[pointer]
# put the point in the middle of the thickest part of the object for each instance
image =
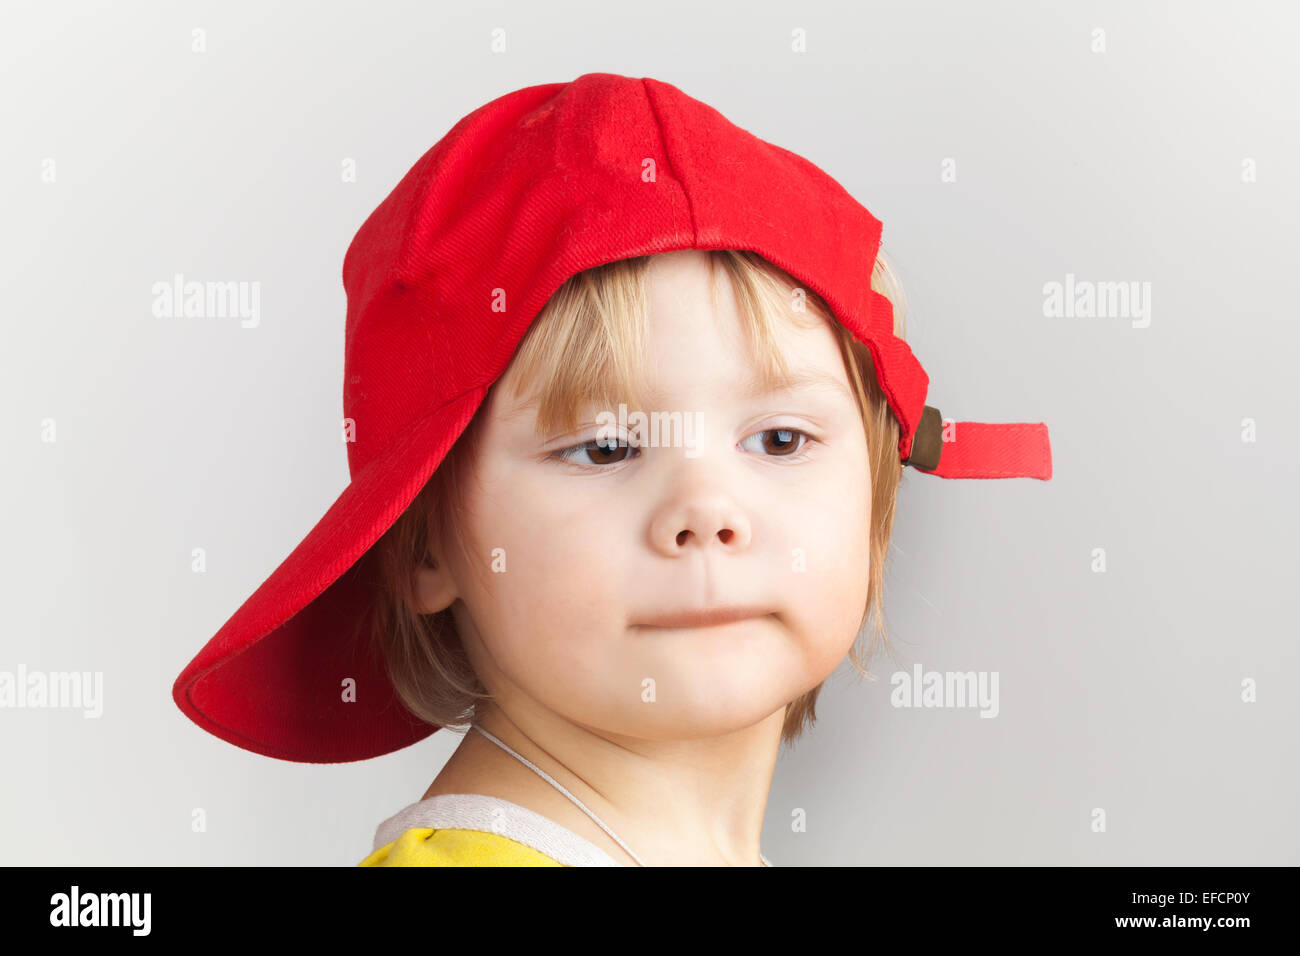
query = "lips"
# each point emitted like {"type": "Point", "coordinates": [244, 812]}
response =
{"type": "Point", "coordinates": [703, 617]}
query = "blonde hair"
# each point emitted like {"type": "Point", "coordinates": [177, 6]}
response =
{"type": "Point", "coordinates": [584, 348]}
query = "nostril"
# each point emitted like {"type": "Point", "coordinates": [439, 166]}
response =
{"type": "Point", "coordinates": [725, 534]}
{"type": "Point", "coordinates": [682, 536]}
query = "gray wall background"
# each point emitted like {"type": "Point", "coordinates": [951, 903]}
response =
{"type": "Point", "coordinates": [1119, 690]}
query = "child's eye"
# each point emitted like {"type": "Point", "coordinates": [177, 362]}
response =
{"type": "Point", "coordinates": [774, 443]}
{"type": "Point", "coordinates": [600, 451]}
{"type": "Point", "coordinates": [783, 443]}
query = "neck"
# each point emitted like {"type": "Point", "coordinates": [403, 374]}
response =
{"type": "Point", "coordinates": [697, 802]}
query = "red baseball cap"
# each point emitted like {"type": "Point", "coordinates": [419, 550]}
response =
{"type": "Point", "coordinates": [521, 194]}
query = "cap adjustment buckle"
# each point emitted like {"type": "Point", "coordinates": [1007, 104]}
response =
{"type": "Point", "coordinates": [927, 441]}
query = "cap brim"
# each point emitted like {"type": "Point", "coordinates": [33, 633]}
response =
{"type": "Point", "coordinates": [273, 679]}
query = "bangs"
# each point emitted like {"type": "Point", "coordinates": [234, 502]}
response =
{"type": "Point", "coordinates": [587, 347]}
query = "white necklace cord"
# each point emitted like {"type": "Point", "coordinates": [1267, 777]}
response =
{"type": "Point", "coordinates": [545, 776]}
{"type": "Point", "coordinates": [580, 805]}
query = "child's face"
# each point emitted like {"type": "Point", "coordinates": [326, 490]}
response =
{"type": "Point", "coordinates": [593, 551]}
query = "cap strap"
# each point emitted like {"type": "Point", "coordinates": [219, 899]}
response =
{"type": "Point", "coordinates": [980, 449]}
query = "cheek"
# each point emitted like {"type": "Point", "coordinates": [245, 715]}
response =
{"type": "Point", "coordinates": [549, 605]}
{"type": "Point", "coordinates": [828, 597]}
{"type": "Point", "coordinates": [562, 641]}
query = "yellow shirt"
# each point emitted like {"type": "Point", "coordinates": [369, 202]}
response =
{"type": "Point", "coordinates": [472, 829]}
{"type": "Point", "coordinates": [426, 846]}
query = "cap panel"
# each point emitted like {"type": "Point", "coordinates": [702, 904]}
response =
{"type": "Point", "coordinates": [748, 193]}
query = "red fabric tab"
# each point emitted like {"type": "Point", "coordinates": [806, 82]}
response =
{"type": "Point", "coordinates": [983, 450]}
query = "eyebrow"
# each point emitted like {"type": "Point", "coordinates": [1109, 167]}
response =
{"type": "Point", "coordinates": [804, 379]}
{"type": "Point", "coordinates": [799, 379]}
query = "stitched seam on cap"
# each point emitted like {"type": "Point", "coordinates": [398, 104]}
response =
{"type": "Point", "coordinates": [690, 207]}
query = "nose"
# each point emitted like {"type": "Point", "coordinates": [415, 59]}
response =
{"type": "Point", "coordinates": [703, 519]}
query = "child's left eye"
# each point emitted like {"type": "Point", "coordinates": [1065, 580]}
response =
{"type": "Point", "coordinates": [784, 441]}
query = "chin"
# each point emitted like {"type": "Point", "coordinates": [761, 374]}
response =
{"type": "Point", "coordinates": [688, 721]}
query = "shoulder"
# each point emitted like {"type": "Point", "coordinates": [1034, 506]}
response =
{"type": "Point", "coordinates": [426, 846]}
{"type": "Point", "coordinates": [474, 829]}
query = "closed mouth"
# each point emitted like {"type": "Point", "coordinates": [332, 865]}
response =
{"type": "Point", "coordinates": [708, 617]}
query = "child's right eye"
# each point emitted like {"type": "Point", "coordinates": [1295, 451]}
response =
{"type": "Point", "coordinates": [608, 451]}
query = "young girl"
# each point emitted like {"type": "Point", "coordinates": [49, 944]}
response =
{"type": "Point", "coordinates": [627, 404]}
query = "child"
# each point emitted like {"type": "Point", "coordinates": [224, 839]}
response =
{"type": "Point", "coordinates": [626, 402]}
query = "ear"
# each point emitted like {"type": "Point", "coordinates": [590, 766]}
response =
{"type": "Point", "coordinates": [434, 588]}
